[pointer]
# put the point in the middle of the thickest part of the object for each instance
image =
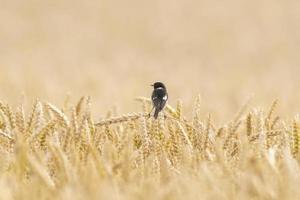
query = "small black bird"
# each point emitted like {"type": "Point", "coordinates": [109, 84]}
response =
{"type": "Point", "coordinates": [159, 97]}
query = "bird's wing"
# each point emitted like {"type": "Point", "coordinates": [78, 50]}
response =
{"type": "Point", "coordinates": [159, 98]}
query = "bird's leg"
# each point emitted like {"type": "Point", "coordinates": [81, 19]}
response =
{"type": "Point", "coordinates": [165, 116]}
{"type": "Point", "coordinates": [149, 115]}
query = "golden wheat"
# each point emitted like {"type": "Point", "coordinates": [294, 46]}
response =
{"type": "Point", "coordinates": [69, 150]}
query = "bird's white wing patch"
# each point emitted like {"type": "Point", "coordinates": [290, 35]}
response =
{"type": "Point", "coordinates": [165, 97]}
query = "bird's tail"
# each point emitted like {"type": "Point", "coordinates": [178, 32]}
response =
{"type": "Point", "coordinates": [156, 113]}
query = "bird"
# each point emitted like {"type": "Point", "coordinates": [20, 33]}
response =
{"type": "Point", "coordinates": [159, 98]}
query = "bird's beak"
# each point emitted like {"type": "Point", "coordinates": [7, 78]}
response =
{"type": "Point", "coordinates": [152, 85]}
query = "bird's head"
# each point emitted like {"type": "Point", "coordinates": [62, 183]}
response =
{"type": "Point", "coordinates": [158, 85]}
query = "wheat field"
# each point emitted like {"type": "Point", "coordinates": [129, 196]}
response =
{"type": "Point", "coordinates": [75, 96]}
{"type": "Point", "coordinates": [54, 153]}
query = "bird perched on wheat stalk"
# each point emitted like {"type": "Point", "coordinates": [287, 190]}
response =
{"type": "Point", "coordinates": [159, 98]}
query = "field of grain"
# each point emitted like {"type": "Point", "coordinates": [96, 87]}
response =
{"type": "Point", "coordinates": [75, 93]}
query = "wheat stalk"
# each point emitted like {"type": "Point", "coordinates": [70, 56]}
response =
{"type": "Point", "coordinates": [121, 119]}
{"type": "Point", "coordinates": [62, 118]}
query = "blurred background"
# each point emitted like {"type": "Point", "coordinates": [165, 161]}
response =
{"type": "Point", "coordinates": [113, 50]}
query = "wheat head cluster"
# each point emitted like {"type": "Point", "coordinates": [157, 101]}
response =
{"type": "Point", "coordinates": [63, 153]}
